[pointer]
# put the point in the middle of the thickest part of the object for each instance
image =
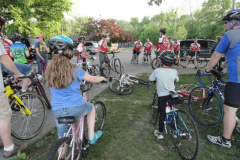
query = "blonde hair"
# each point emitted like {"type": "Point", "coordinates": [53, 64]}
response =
{"type": "Point", "coordinates": [61, 72]}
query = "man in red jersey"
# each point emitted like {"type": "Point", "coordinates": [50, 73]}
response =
{"type": "Point", "coordinates": [7, 43]}
{"type": "Point", "coordinates": [158, 49]}
{"type": "Point", "coordinates": [194, 49]}
{"type": "Point", "coordinates": [136, 50]}
{"type": "Point", "coordinates": [103, 48]}
{"type": "Point", "coordinates": [148, 48]}
{"type": "Point", "coordinates": [82, 53]}
{"type": "Point", "coordinates": [163, 41]}
{"type": "Point", "coordinates": [176, 48]}
{"type": "Point", "coordinates": [170, 43]}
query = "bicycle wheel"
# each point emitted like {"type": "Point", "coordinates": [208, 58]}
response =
{"type": "Point", "coordinates": [25, 126]}
{"type": "Point", "coordinates": [106, 70]}
{"type": "Point", "coordinates": [205, 106]}
{"type": "Point", "coordinates": [124, 89]}
{"type": "Point", "coordinates": [86, 87]}
{"type": "Point", "coordinates": [100, 115]}
{"type": "Point", "coordinates": [42, 93]}
{"type": "Point", "coordinates": [182, 61]}
{"type": "Point", "coordinates": [97, 70]}
{"type": "Point", "coordinates": [201, 63]}
{"type": "Point", "coordinates": [155, 63]}
{"type": "Point", "coordinates": [155, 112]}
{"type": "Point", "coordinates": [186, 137]}
{"type": "Point", "coordinates": [141, 81]}
{"type": "Point", "coordinates": [117, 65]}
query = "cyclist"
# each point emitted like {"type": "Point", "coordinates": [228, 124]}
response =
{"type": "Point", "coordinates": [82, 53]}
{"type": "Point", "coordinates": [64, 79]}
{"type": "Point", "coordinates": [176, 48]}
{"type": "Point", "coordinates": [158, 49]}
{"type": "Point", "coordinates": [10, 148]}
{"type": "Point", "coordinates": [103, 48]}
{"type": "Point", "coordinates": [19, 50]}
{"type": "Point", "coordinates": [42, 49]}
{"type": "Point", "coordinates": [7, 43]}
{"type": "Point", "coordinates": [170, 43]}
{"type": "Point", "coordinates": [194, 49]}
{"type": "Point", "coordinates": [163, 41]}
{"type": "Point", "coordinates": [165, 84]}
{"type": "Point", "coordinates": [148, 48]}
{"type": "Point", "coordinates": [136, 50]}
{"type": "Point", "coordinates": [230, 46]}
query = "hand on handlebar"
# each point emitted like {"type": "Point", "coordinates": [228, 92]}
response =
{"type": "Point", "coordinates": [17, 77]}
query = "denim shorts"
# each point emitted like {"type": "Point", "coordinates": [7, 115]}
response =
{"type": "Point", "coordinates": [70, 111]}
{"type": "Point", "coordinates": [22, 68]}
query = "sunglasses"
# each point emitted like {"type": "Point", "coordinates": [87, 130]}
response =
{"type": "Point", "coordinates": [225, 22]}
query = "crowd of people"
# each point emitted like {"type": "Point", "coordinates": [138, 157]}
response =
{"type": "Point", "coordinates": [64, 77]}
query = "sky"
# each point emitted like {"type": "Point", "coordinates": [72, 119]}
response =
{"type": "Point", "coordinates": [125, 9]}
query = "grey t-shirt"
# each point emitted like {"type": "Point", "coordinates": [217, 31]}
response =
{"type": "Point", "coordinates": [2, 52]}
{"type": "Point", "coordinates": [165, 80]}
{"type": "Point", "coordinates": [42, 50]}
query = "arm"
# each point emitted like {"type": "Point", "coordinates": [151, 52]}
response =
{"type": "Point", "coordinates": [213, 61]}
{"type": "Point", "coordinates": [85, 55]}
{"type": "Point", "coordinates": [93, 79]}
{"type": "Point", "coordinates": [39, 55]}
{"type": "Point", "coordinates": [46, 47]}
{"type": "Point", "coordinates": [224, 65]}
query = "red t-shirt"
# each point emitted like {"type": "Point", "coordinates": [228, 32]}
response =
{"type": "Point", "coordinates": [175, 45]}
{"type": "Point", "coordinates": [137, 45]}
{"type": "Point", "coordinates": [164, 42]}
{"type": "Point", "coordinates": [195, 46]}
{"type": "Point", "coordinates": [7, 44]}
{"type": "Point", "coordinates": [103, 45]}
{"type": "Point", "coordinates": [147, 46]}
{"type": "Point", "coordinates": [80, 49]}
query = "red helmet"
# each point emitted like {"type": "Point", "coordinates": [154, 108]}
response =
{"type": "Point", "coordinates": [2, 21]}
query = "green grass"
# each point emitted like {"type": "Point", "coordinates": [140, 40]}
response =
{"type": "Point", "coordinates": [128, 133]}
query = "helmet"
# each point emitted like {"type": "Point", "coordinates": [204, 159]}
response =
{"type": "Point", "coordinates": [167, 58]}
{"type": "Point", "coordinates": [103, 35]}
{"type": "Point", "coordinates": [175, 38]}
{"type": "Point", "coordinates": [16, 36]}
{"type": "Point", "coordinates": [163, 30]}
{"type": "Point", "coordinates": [4, 31]}
{"type": "Point", "coordinates": [169, 37]}
{"type": "Point", "coordinates": [81, 38]}
{"type": "Point", "coordinates": [2, 21]}
{"type": "Point", "coordinates": [60, 42]}
{"type": "Point", "coordinates": [232, 15]}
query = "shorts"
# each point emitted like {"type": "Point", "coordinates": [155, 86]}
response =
{"type": "Point", "coordinates": [5, 109]}
{"type": "Point", "coordinates": [177, 53]}
{"type": "Point", "coordinates": [232, 94]}
{"type": "Point", "coordinates": [103, 58]}
{"type": "Point", "coordinates": [70, 111]}
{"type": "Point", "coordinates": [136, 52]}
{"type": "Point", "coordinates": [193, 54]}
{"type": "Point", "coordinates": [24, 69]}
{"type": "Point", "coordinates": [148, 53]}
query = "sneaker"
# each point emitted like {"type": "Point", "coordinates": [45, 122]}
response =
{"type": "Point", "coordinates": [137, 62]}
{"type": "Point", "coordinates": [219, 141]}
{"type": "Point", "coordinates": [131, 61]}
{"type": "Point", "coordinates": [1, 144]}
{"type": "Point", "coordinates": [195, 67]}
{"type": "Point", "coordinates": [158, 134]}
{"type": "Point", "coordinates": [15, 150]}
{"type": "Point", "coordinates": [184, 66]}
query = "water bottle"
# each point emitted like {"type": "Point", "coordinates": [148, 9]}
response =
{"type": "Point", "coordinates": [168, 108]}
{"type": "Point", "coordinates": [167, 113]}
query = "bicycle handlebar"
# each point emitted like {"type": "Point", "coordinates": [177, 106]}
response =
{"type": "Point", "coordinates": [103, 81]}
{"type": "Point", "coordinates": [31, 77]}
{"type": "Point", "coordinates": [199, 78]}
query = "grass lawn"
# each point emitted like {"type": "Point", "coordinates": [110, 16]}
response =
{"type": "Point", "coordinates": [128, 132]}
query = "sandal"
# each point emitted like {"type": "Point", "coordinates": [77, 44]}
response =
{"type": "Point", "coordinates": [96, 138]}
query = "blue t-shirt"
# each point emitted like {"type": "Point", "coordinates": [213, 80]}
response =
{"type": "Point", "coordinates": [230, 45]}
{"type": "Point", "coordinates": [70, 96]}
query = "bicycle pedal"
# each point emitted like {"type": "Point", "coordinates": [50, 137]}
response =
{"type": "Point", "coordinates": [85, 147]}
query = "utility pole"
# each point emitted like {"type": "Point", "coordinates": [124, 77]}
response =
{"type": "Point", "coordinates": [175, 23]}
{"type": "Point", "coordinates": [233, 4]}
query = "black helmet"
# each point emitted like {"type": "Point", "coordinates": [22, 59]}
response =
{"type": "Point", "coordinates": [169, 37]}
{"type": "Point", "coordinates": [16, 36]}
{"type": "Point", "coordinates": [232, 15]}
{"type": "Point", "coordinates": [167, 58]}
{"type": "Point", "coordinates": [2, 21]}
{"type": "Point", "coordinates": [163, 30]}
{"type": "Point", "coordinates": [4, 31]}
{"type": "Point", "coordinates": [81, 38]}
{"type": "Point", "coordinates": [104, 35]}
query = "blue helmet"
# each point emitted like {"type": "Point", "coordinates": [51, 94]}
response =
{"type": "Point", "coordinates": [175, 38]}
{"type": "Point", "coordinates": [60, 42]}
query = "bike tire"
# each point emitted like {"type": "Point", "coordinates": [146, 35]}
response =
{"type": "Point", "coordinates": [155, 111]}
{"type": "Point", "coordinates": [41, 92]}
{"type": "Point", "coordinates": [141, 81]}
{"type": "Point", "coordinates": [24, 126]}
{"type": "Point", "coordinates": [202, 63]}
{"type": "Point", "coordinates": [88, 86]}
{"type": "Point", "coordinates": [106, 70]}
{"type": "Point", "coordinates": [100, 115]}
{"type": "Point", "coordinates": [209, 113]}
{"type": "Point", "coordinates": [115, 87]}
{"type": "Point", "coordinates": [117, 65]}
{"type": "Point", "coordinates": [186, 141]}
{"type": "Point", "coordinates": [155, 63]}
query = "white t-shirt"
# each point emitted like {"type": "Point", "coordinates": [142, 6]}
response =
{"type": "Point", "coordinates": [2, 52]}
{"type": "Point", "coordinates": [165, 80]}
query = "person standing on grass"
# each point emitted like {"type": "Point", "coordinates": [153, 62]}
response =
{"type": "Point", "coordinates": [42, 49]}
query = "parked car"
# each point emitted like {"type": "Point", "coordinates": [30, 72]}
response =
{"type": "Point", "coordinates": [30, 43]}
{"type": "Point", "coordinates": [91, 47]}
{"type": "Point", "coordinates": [205, 45]}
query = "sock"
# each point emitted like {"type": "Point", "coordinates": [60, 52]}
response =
{"type": "Point", "coordinates": [9, 148]}
{"type": "Point", "coordinates": [225, 139]}
{"type": "Point", "coordinates": [23, 90]}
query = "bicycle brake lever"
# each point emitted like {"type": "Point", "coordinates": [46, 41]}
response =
{"type": "Point", "coordinates": [103, 81]}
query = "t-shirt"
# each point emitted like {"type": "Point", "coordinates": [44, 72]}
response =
{"type": "Point", "coordinates": [103, 45]}
{"type": "Point", "coordinates": [2, 52]}
{"type": "Point", "coordinates": [164, 43]}
{"type": "Point", "coordinates": [170, 45]}
{"type": "Point", "coordinates": [157, 45]}
{"type": "Point", "coordinates": [7, 44]}
{"type": "Point", "coordinates": [137, 45]}
{"type": "Point", "coordinates": [80, 49]}
{"type": "Point", "coordinates": [165, 80]}
{"type": "Point", "coordinates": [230, 45]}
{"type": "Point", "coordinates": [18, 49]}
{"type": "Point", "coordinates": [195, 46]}
{"type": "Point", "coordinates": [176, 45]}
{"type": "Point", "coordinates": [70, 96]}
{"type": "Point", "coordinates": [42, 50]}
{"type": "Point", "coordinates": [148, 45]}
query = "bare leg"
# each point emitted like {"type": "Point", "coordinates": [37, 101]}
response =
{"type": "Point", "coordinates": [137, 57]}
{"type": "Point", "coordinates": [195, 61]}
{"type": "Point", "coordinates": [5, 133]}
{"type": "Point", "coordinates": [187, 61]}
{"type": "Point", "coordinates": [132, 56]}
{"type": "Point", "coordinates": [229, 121]}
{"type": "Point", "coordinates": [26, 81]}
{"type": "Point", "coordinates": [91, 123]}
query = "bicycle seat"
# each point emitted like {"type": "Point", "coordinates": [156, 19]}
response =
{"type": "Point", "coordinates": [176, 98]}
{"type": "Point", "coordinates": [67, 120]}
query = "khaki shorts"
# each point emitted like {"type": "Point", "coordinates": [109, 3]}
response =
{"type": "Point", "coordinates": [5, 109]}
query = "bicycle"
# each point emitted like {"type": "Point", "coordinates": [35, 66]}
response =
{"type": "Point", "coordinates": [144, 59]}
{"type": "Point", "coordinates": [28, 111]}
{"type": "Point", "coordinates": [201, 63]}
{"type": "Point", "coordinates": [182, 127]}
{"type": "Point", "coordinates": [74, 143]}
{"type": "Point", "coordinates": [135, 61]}
{"type": "Point", "coordinates": [156, 62]}
{"type": "Point", "coordinates": [115, 63]}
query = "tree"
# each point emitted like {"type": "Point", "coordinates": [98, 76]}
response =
{"type": "Point", "coordinates": [152, 32]}
{"type": "Point", "coordinates": [157, 2]}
